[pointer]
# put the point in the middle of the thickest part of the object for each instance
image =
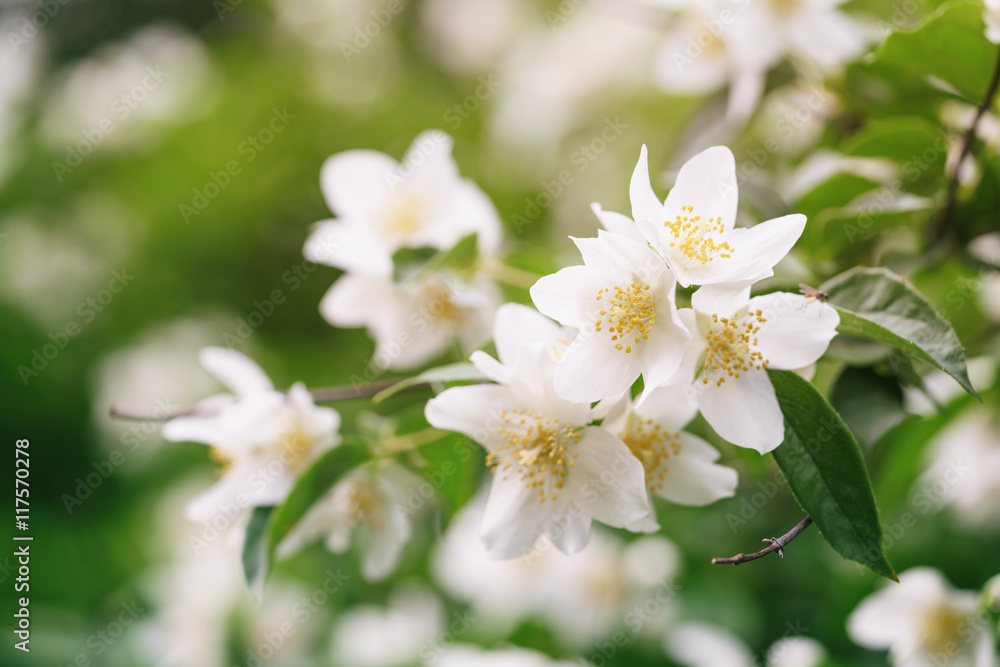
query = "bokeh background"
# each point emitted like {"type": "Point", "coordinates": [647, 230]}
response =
{"type": "Point", "coordinates": [117, 117]}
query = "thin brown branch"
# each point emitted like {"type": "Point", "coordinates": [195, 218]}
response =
{"type": "Point", "coordinates": [775, 544]}
{"type": "Point", "coordinates": [323, 394]}
{"type": "Point", "coordinates": [943, 221]}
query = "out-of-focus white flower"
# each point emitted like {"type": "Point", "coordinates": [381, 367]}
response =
{"type": "Point", "coordinates": [66, 266]}
{"type": "Point", "coordinates": [712, 43]}
{"type": "Point", "coordinates": [383, 205]}
{"type": "Point", "coordinates": [694, 228]}
{"type": "Point", "coordinates": [923, 621]}
{"type": "Point", "coordinates": [21, 63]}
{"type": "Point", "coordinates": [793, 118]}
{"type": "Point", "coordinates": [622, 302]}
{"type": "Point", "coordinates": [261, 438]}
{"type": "Point", "coordinates": [704, 645]}
{"type": "Point", "coordinates": [583, 597]}
{"type": "Point", "coordinates": [367, 506]}
{"type": "Point", "coordinates": [127, 93]}
{"type": "Point", "coordinates": [680, 467]}
{"type": "Point", "coordinates": [516, 325]}
{"type": "Point", "coordinates": [964, 470]}
{"type": "Point", "coordinates": [557, 76]}
{"type": "Point", "coordinates": [469, 656]}
{"type": "Point", "coordinates": [991, 15]}
{"type": "Point", "coordinates": [415, 320]}
{"type": "Point", "coordinates": [469, 36]}
{"type": "Point", "coordinates": [370, 636]}
{"type": "Point", "coordinates": [697, 644]}
{"type": "Point", "coordinates": [553, 474]}
{"type": "Point", "coordinates": [939, 388]}
{"type": "Point", "coordinates": [735, 340]}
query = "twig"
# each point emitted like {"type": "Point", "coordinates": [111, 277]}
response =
{"type": "Point", "coordinates": [775, 544]}
{"type": "Point", "coordinates": [968, 141]}
{"type": "Point", "coordinates": [323, 394]}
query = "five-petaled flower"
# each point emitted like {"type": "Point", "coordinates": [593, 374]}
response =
{"type": "Point", "coordinates": [695, 228]}
{"type": "Point", "coordinates": [735, 340]}
{"type": "Point", "coordinates": [553, 472]}
{"type": "Point", "coordinates": [261, 438]}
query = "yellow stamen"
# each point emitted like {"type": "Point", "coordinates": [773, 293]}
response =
{"type": "Point", "coordinates": [697, 239]}
{"type": "Point", "coordinates": [653, 447]}
{"type": "Point", "coordinates": [732, 347]}
{"type": "Point", "coordinates": [631, 313]}
{"type": "Point", "coordinates": [539, 450]}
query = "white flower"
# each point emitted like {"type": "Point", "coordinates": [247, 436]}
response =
{"type": "Point", "coordinates": [680, 467]}
{"type": "Point", "coordinates": [368, 505]}
{"type": "Point", "coordinates": [553, 474]}
{"type": "Point", "coordinates": [964, 470]}
{"type": "Point", "coordinates": [696, 644]}
{"type": "Point", "coordinates": [622, 302]}
{"type": "Point", "coordinates": [991, 16]}
{"type": "Point", "coordinates": [262, 438]}
{"type": "Point", "coordinates": [923, 621]}
{"type": "Point", "coordinates": [736, 339]}
{"type": "Point", "coordinates": [383, 206]}
{"type": "Point", "coordinates": [712, 43]}
{"type": "Point", "coordinates": [694, 229]}
{"type": "Point", "coordinates": [516, 325]}
{"type": "Point", "coordinates": [370, 636]}
{"type": "Point", "coordinates": [582, 597]}
{"type": "Point", "coordinates": [416, 320]}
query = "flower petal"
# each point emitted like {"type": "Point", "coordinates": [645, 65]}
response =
{"type": "Point", "coordinates": [607, 482]}
{"type": "Point", "coordinates": [693, 478]}
{"type": "Point", "coordinates": [645, 204]}
{"type": "Point", "coordinates": [743, 410]}
{"type": "Point", "coordinates": [568, 296]}
{"type": "Point", "coordinates": [348, 246]}
{"type": "Point", "coordinates": [238, 372]}
{"type": "Point", "coordinates": [592, 369]}
{"type": "Point", "coordinates": [490, 367]}
{"type": "Point", "coordinates": [616, 258]}
{"type": "Point", "coordinates": [517, 325]}
{"type": "Point", "coordinates": [673, 407]}
{"type": "Point", "coordinates": [706, 182]}
{"type": "Point", "coordinates": [757, 249]}
{"type": "Point", "coordinates": [724, 300]}
{"type": "Point", "coordinates": [474, 411]}
{"type": "Point", "coordinates": [797, 331]}
{"type": "Point", "coordinates": [616, 223]}
{"type": "Point", "coordinates": [360, 300]}
{"type": "Point", "coordinates": [514, 517]}
{"type": "Point", "coordinates": [356, 182]}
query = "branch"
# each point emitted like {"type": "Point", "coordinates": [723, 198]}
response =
{"type": "Point", "coordinates": [323, 394]}
{"type": "Point", "coordinates": [776, 544]}
{"type": "Point", "coordinates": [968, 141]}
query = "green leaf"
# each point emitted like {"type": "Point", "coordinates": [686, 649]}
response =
{"type": "Point", "coordinates": [311, 486]}
{"type": "Point", "coordinates": [255, 553]}
{"type": "Point", "coordinates": [824, 468]}
{"type": "Point", "coordinates": [950, 45]}
{"type": "Point", "coordinates": [462, 370]}
{"type": "Point", "coordinates": [870, 403]}
{"type": "Point", "coordinates": [877, 304]}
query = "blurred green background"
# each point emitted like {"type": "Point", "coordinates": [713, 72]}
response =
{"type": "Point", "coordinates": [228, 68]}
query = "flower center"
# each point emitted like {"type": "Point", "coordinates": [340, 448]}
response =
{"type": "Point", "coordinates": [697, 239]}
{"type": "Point", "coordinates": [222, 460]}
{"type": "Point", "coordinates": [941, 626]}
{"type": "Point", "coordinates": [363, 505]}
{"type": "Point", "coordinates": [630, 314]}
{"type": "Point", "coordinates": [785, 7]}
{"type": "Point", "coordinates": [439, 304]}
{"type": "Point", "coordinates": [537, 450]}
{"type": "Point", "coordinates": [403, 216]}
{"type": "Point", "coordinates": [653, 446]}
{"type": "Point", "coordinates": [294, 448]}
{"type": "Point", "coordinates": [732, 346]}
